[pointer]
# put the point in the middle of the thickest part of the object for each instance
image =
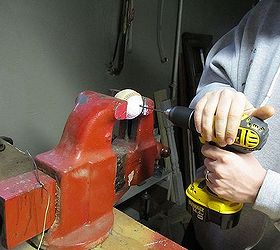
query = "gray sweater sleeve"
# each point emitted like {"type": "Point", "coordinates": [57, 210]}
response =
{"type": "Point", "coordinates": [220, 70]}
{"type": "Point", "coordinates": [223, 70]}
{"type": "Point", "coordinates": [268, 198]}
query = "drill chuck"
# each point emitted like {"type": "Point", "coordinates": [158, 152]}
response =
{"type": "Point", "coordinates": [181, 117]}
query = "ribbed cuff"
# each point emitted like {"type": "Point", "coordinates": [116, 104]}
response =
{"type": "Point", "coordinates": [268, 198]}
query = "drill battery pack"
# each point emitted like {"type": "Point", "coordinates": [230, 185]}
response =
{"type": "Point", "coordinates": [206, 206]}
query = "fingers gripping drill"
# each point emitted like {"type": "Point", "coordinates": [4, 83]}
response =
{"type": "Point", "coordinates": [252, 132]}
{"type": "Point", "coordinates": [202, 202]}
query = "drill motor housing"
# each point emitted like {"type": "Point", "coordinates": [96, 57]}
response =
{"type": "Point", "coordinates": [252, 135]}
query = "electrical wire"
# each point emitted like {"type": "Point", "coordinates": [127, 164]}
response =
{"type": "Point", "coordinates": [45, 220]}
{"type": "Point", "coordinates": [48, 202]}
{"type": "Point", "coordinates": [123, 38]}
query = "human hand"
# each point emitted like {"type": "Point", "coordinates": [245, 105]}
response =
{"type": "Point", "coordinates": [233, 176]}
{"type": "Point", "coordinates": [224, 108]}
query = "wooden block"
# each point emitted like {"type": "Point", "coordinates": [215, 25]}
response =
{"type": "Point", "coordinates": [161, 95]}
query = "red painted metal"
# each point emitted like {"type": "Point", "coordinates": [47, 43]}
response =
{"type": "Point", "coordinates": [23, 204]}
{"type": "Point", "coordinates": [87, 162]}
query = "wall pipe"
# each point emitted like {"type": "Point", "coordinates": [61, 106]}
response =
{"type": "Point", "coordinates": [174, 83]}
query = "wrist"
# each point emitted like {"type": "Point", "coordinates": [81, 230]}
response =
{"type": "Point", "coordinates": [259, 182]}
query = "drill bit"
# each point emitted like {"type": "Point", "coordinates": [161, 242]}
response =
{"type": "Point", "coordinates": [146, 107]}
{"type": "Point", "coordinates": [165, 112]}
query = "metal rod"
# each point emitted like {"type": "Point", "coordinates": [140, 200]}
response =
{"type": "Point", "coordinates": [146, 107]}
{"type": "Point", "coordinates": [176, 51]}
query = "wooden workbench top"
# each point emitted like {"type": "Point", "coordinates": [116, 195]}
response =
{"type": "Point", "coordinates": [128, 234]}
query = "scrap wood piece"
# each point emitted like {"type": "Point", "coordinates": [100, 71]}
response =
{"type": "Point", "coordinates": [161, 95]}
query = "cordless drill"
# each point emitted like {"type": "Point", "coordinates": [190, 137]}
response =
{"type": "Point", "coordinates": [202, 202]}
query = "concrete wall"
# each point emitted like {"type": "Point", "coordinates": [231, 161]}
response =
{"type": "Point", "coordinates": [51, 50]}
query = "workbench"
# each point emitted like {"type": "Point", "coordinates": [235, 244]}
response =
{"type": "Point", "coordinates": [128, 234]}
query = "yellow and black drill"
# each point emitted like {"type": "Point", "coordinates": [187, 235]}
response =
{"type": "Point", "coordinates": [202, 202]}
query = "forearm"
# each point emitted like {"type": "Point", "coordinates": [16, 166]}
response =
{"type": "Point", "coordinates": [268, 198]}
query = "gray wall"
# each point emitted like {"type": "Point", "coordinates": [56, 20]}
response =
{"type": "Point", "coordinates": [214, 17]}
{"type": "Point", "coordinates": [51, 50]}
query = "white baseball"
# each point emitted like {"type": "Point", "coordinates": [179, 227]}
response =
{"type": "Point", "coordinates": [134, 102]}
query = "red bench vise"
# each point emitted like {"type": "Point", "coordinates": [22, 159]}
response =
{"type": "Point", "coordinates": [84, 175]}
